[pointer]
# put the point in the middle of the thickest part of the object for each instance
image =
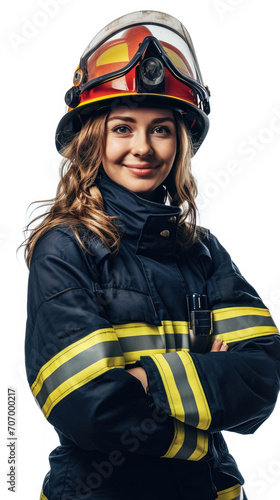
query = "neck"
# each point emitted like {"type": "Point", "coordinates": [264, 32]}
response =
{"type": "Point", "coordinates": [158, 195]}
{"type": "Point", "coordinates": [133, 210]}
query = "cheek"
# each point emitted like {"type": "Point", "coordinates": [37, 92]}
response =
{"type": "Point", "coordinates": [109, 154]}
{"type": "Point", "coordinates": [170, 152]}
{"type": "Point", "coordinates": [114, 151]}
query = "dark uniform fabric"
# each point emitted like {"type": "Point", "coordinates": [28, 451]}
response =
{"type": "Point", "coordinates": [92, 315]}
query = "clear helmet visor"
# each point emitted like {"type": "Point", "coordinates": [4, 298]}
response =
{"type": "Point", "coordinates": [117, 45]}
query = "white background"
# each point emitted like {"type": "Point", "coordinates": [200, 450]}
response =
{"type": "Point", "coordinates": [237, 169]}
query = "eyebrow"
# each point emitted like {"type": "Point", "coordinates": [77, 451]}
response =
{"type": "Point", "coordinates": [132, 120]}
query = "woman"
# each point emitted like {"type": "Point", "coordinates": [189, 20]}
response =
{"type": "Point", "coordinates": [143, 339]}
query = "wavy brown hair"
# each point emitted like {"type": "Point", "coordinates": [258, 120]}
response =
{"type": "Point", "coordinates": [78, 201]}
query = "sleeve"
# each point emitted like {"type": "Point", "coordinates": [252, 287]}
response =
{"type": "Point", "coordinates": [75, 366]}
{"type": "Point", "coordinates": [234, 390]}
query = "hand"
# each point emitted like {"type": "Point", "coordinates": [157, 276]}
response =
{"type": "Point", "coordinates": [218, 346]}
{"type": "Point", "coordinates": [139, 373]}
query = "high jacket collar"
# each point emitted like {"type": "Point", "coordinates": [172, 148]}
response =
{"type": "Point", "coordinates": [144, 222]}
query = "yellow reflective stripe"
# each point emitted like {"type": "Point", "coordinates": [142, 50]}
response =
{"type": "Point", "coordinates": [254, 322]}
{"type": "Point", "coordinates": [188, 443]}
{"type": "Point", "coordinates": [130, 329]}
{"type": "Point", "coordinates": [69, 352]}
{"type": "Point", "coordinates": [132, 357]}
{"type": "Point", "coordinates": [177, 442]}
{"type": "Point", "coordinates": [233, 493]}
{"type": "Point", "coordinates": [79, 379]}
{"type": "Point", "coordinates": [233, 312]}
{"type": "Point", "coordinates": [175, 326]}
{"type": "Point", "coordinates": [142, 339]}
{"type": "Point", "coordinates": [76, 365]}
{"type": "Point", "coordinates": [166, 328]}
{"type": "Point", "coordinates": [190, 385]}
{"type": "Point", "coordinates": [138, 337]}
{"type": "Point", "coordinates": [246, 334]}
{"type": "Point", "coordinates": [171, 389]}
{"type": "Point", "coordinates": [202, 446]}
{"type": "Point", "coordinates": [198, 392]}
{"type": "Point", "coordinates": [42, 496]}
{"type": "Point", "coordinates": [99, 351]}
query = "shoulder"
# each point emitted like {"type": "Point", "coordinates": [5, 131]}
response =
{"type": "Point", "coordinates": [208, 239]}
{"type": "Point", "coordinates": [60, 263]}
{"type": "Point", "coordinates": [226, 283]}
{"type": "Point", "coordinates": [206, 246]}
{"type": "Point", "coordinates": [61, 242]}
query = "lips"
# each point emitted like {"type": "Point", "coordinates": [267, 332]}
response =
{"type": "Point", "coordinates": [145, 166]}
{"type": "Point", "coordinates": [141, 170]}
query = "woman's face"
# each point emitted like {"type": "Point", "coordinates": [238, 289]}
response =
{"type": "Point", "coordinates": [140, 147]}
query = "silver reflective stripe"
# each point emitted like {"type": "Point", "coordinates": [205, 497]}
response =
{"type": "Point", "coordinates": [177, 341]}
{"type": "Point", "coordinates": [241, 323]}
{"type": "Point", "coordinates": [185, 391]}
{"type": "Point", "coordinates": [141, 343]}
{"type": "Point", "coordinates": [189, 445]}
{"type": "Point", "coordinates": [75, 365]}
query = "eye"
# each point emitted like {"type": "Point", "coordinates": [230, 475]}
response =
{"type": "Point", "coordinates": [161, 129]}
{"type": "Point", "coordinates": [121, 129]}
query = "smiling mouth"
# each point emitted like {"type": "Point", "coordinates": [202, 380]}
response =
{"type": "Point", "coordinates": [141, 167]}
{"type": "Point", "coordinates": [141, 170]}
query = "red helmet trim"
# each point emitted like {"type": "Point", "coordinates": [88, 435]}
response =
{"type": "Point", "coordinates": [126, 85]}
{"type": "Point", "coordinates": [123, 94]}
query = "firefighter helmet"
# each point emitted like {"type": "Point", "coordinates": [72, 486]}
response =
{"type": "Point", "coordinates": [144, 58]}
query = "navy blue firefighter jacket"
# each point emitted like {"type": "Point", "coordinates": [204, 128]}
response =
{"type": "Point", "coordinates": [92, 315]}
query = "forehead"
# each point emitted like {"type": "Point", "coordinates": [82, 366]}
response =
{"type": "Point", "coordinates": [140, 113]}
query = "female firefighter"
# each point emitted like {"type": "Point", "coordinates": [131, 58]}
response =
{"type": "Point", "coordinates": [143, 339]}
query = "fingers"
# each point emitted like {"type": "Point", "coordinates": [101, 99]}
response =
{"type": "Point", "coordinates": [219, 346]}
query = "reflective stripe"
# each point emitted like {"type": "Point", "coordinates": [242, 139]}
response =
{"type": "Point", "coordinates": [142, 343]}
{"type": "Point", "coordinates": [232, 312]}
{"type": "Point", "coordinates": [42, 496]}
{"type": "Point", "coordinates": [166, 328]}
{"type": "Point", "coordinates": [188, 443]}
{"type": "Point", "coordinates": [234, 324]}
{"type": "Point", "coordinates": [158, 342]}
{"type": "Point", "coordinates": [99, 351]}
{"type": "Point", "coordinates": [76, 365]}
{"type": "Point", "coordinates": [141, 339]}
{"type": "Point", "coordinates": [184, 391]}
{"type": "Point", "coordinates": [69, 352]}
{"type": "Point", "coordinates": [114, 347]}
{"type": "Point", "coordinates": [233, 493]}
{"type": "Point", "coordinates": [197, 390]}
{"type": "Point", "coordinates": [79, 380]}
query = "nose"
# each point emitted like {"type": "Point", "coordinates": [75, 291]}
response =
{"type": "Point", "coordinates": [141, 145]}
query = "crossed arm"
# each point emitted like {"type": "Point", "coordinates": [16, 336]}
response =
{"type": "Point", "coordinates": [141, 375]}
